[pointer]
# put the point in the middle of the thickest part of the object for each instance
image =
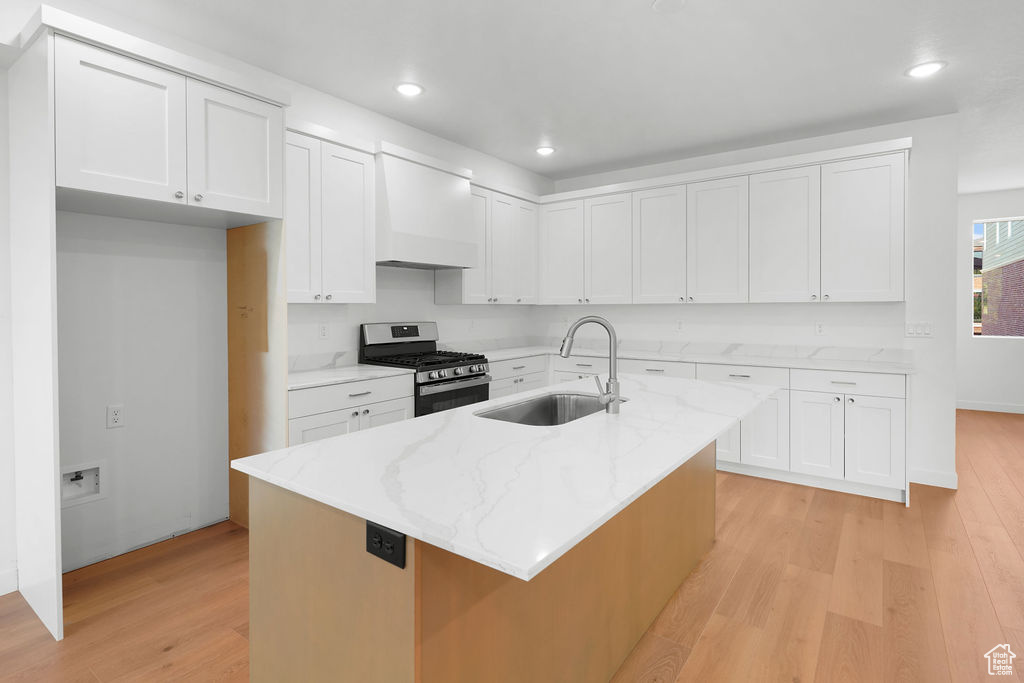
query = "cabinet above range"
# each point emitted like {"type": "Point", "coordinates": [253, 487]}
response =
{"type": "Point", "coordinates": [144, 141]}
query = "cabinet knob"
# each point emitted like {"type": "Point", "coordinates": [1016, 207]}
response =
{"type": "Point", "coordinates": [579, 300]}
{"type": "Point", "coordinates": [587, 301]}
{"type": "Point", "coordinates": [328, 297]}
{"type": "Point", "coordinates": [826, 297]}
{"type": "Point", "coordinates": [519, 301]}
{"type": "Point", "coordinates": [179, 195]}
{"type": "Point", "coordinates": [850, 400]}
{"type": "Point", "coordinates": [316, 297]}
{"type": "Point", "coordinates": [837, 399]}
{"type": "Point", "coordinates": [690, 299]}
{"type": "Point", "coordinates": [198, 197]}
{"type": "Point", "coordinates": [355, 413]}
{"type": "Point", "coordinates": [366, 411]}
{"type": "Point", "coordinates": [682, 298]}
{"type": "Point", "coordinates": [814, 297]}
{"type": "Point", "coordinates": [495, 299]}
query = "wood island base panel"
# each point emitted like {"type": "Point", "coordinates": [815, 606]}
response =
{"type": "Point", "coordinates": [323, 609]}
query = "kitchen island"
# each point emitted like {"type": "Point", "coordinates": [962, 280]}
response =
{"type": "Point", "coordinates": [533, 553]}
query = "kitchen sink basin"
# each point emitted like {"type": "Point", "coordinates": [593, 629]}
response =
{"type": "Point", "coordinates": [547, 410]}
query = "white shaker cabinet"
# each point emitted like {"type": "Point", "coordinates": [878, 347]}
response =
{"type": "Point", "coordinates": [608, 246]}
{"type": "Point", "coordinates": [120, 124]}
{"type": "Point", "coordinates": [862, 229]}
{"type": "Point", "coordinates": [817, 434]}
{"type": "Point", "coordinates": [503, 249]}
{"type": "Point", "coordinates": [785, 235]}
{"type": "Point", "coordinates": [561, 253]}
{"type": "Point", "coordinates": [716, 241]}
{"type": "Point", "coordinates": [659, 245]}
{"type": "Point", "coordinates": [876, 440]}
{"type": "Point", "coordinates": [765, 434]}
{"type": "Point", "coordinates": [329, 226]}
{"type": "Point", "coordinates": [348, 420]}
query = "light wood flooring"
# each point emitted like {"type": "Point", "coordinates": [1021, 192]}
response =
{"type": "Point", "coordinates": [802, 585]}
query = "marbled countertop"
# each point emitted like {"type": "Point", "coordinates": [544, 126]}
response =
{"type": "Point", "coordinates": [349, 373]}
{"type": "Point", "coordinates": [509, 496]}
{"type": "Point", "coordinates": [855, 359]}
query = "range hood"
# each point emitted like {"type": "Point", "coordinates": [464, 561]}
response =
{"type": "Point", "coordinates": [424, 211]}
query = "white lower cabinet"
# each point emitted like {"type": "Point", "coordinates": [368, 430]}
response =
{"type": "Point", "coordinates": [727, 449]}
{"type": "Point", "coordinates": [764, 435]}
{"type": "Point", "coordinates": [333, 409]}
{"type": "Point", "coordinates": [816, 446]}
{"type": "Point", "coordinates": [347, 420]}
{"type": "Point", "coordinates": [658, 368]}
{"type": "Point", "coordinates": [518, 374]}
{"type": "Point", "coordinates": [562, 376]}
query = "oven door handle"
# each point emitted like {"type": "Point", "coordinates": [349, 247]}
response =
{"type": "Point", "coordinates": [441, 387]}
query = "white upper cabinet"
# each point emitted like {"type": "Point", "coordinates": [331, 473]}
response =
{"type": "Point", "coordinates": [862, 229]}
{"type": "Point", "coordinates": [716, 241]}
{"type": "Point", "coordinates": [659, 245]}
{"type": "Point", "coordinates": [234, 151]}
{"type": "Point", "coordinates": [785, 235]}
{"type": "Point", "coordinates": [329, 222]}
{"type": "Point", "coordinates": [302, 217]}
{"type": "Point", "coordinates": [526, 251]}
{"type": "Point", "coordinates": [476, 281]}
{"type": "Point", "coordinates": [561, 253]}
{"type": "Point", "coordinates": [131, 129]}
{"type": "Point", "coordinates": [348, 265]}
{"type": "Point", "coordinates": [120, 124]}
{"type": "Point", "coordinates": [608, 247]}
{"type": "Point", "coordinates": [504, 249]}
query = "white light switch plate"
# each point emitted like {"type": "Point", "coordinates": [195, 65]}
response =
{"type": "Point", "coordinates": [917, 330]}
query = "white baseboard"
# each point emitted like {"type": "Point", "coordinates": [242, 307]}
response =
{"type": "Point", "coordinates": [8, 581]}
{"type": "Point", "coordinates": [946, 480]}
{"type": "Point", "coordinates": [991, 407]}
{"type": "Point", "coordinates": [855, 488]}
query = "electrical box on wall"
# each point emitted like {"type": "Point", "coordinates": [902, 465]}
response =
{"type": "Point", "coordinates": [82, 484]}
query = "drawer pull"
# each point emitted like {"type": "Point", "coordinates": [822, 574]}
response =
{"type": "Point", "coordinates": [849, 384]}
{"type": "Point", "coordinates": [518, 367]}
{"type": "Point", "coordinates": [655, 369]}
{"type": "Point", "coordinates": [361, 393]}
{"type": "Point", "coordinates": [740, 376]}
{"type": "Point", "coordinates": [584, 365]}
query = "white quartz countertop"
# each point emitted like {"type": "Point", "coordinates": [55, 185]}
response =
{"type": "Point", "coordinates": [512, 497]}
{"type": "Point", "coordinates": [349, 373]}
{"type": "Point", "coordinates": [892, 361]}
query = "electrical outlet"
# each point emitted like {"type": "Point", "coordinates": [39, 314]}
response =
{"type": "Point", "coordinates": [385, 543]}
{"type": "Point", "coordinates": [819, 329]}
{"type": "Point", "coordinates": [917, 330]}
{"type": "Point", "coordinates": [323, 331]}
{"type": "Point", "coordinates": [115, 416]}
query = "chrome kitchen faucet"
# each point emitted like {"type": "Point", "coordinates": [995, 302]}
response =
{"type": "Point", "coordinates": [609, 396]}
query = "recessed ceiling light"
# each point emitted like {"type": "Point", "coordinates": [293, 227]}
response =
{"type": "Point", "coordinates": [409, 89]}
{"type": "Point", "coordinates": [925, 70]}
{"type": "Point", "coordinates": [545, 151]}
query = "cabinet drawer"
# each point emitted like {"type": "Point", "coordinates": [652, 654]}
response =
{"type": "Point", "coordinates": [503, 369]}
{"type": "Point", "coordinates": [302, 402]}
{"type": "Point", "coordinates": [561, 376]}
{"type": "Point", "coordinates": [585, 364]}
{"type": "Point", "coordinates": [658, 368]}
{"type": "Point", "coordinates": [746, 374]}
{"type": "Point", "coordinates": [857, 383]}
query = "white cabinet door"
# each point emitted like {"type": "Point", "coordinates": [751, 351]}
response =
{"type": "Point", "coordinates": [562, 376]}
{"type": "Point", "coordinates": [302, 217]}
{"type": "Point", "coordinates": [322, 426]}
{"type": "Point", "coordinates": [526, 249]}
{"type": "Point", "coordinates": [386, 412]}
{"type": "Point", "coordinates": [561, 253]}
{"type": "Point", "coordinates": [716, 241]}
{"type": "Point", "coordinates": [235, 150]}
{"type": "Point", "coordinates": [475, 282]}
{"type": "Point", "coordinates": [659, 246]}
{"type": "Point", "coordinates": [876, 441]}
{"type": "Point", "coordinates": [120, 124]}
{"type": "Point", "coordinates": [504, 249]}
{"type": "Point", "coordinates": [348, 263]}
{"type": "Point", "coordinates": [785, 235]}
{"type": "Point", "coordinates": [728, 446]}
{"type": "Point", "coordinates": [658, 368]}
{"type": "Point", "coordinates": [765, 434]}
{"type": "Point", "coordinates": [608, 246]}
{"type": "Point", "coordinates": [862, 226]}
{"type": "Point", "coordinates": [816, 434]}
{"type": "Point", "coordinates": [500, 388]}
{"type": "Point", "coordinates": [534, 380]}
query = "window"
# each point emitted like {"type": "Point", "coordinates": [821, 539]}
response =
{"type": "Point", "coordinates": [998, 282]}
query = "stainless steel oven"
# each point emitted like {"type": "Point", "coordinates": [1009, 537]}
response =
{"type": "Point", "coordinates": [453, 393]}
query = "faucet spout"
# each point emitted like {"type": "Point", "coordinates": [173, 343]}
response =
{"type": "Point", "coordinates": [610, 396]}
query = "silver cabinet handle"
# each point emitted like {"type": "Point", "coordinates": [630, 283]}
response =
{"type": "Point", "coordinates": [740, 376]}
{"type": "Point", "coordinates": [366, 411]}
{"type": "Point", "coordinates": [826, 297]}
{"type": "Point", "coordinates": [179, 195]}
{"type": "Point", "coordinates": [850, 400]}
{"type": "Point", "coordinates": [814, 297]}
{"type": "Point", "coordinates": [355, 413]}
{"type": "Point", "coordinates": [848, 384]}
{"type": "Point", "coordinates": [328, 297]}
{"type": "Point", "coordinates": [198, 197]}
{"type": "Point", "coordinates": [837, 399]}
{"type": "Point", "coordinates": [518, 367]}
{"type": "Point", "coordinates": [691, 299]}
{"type": "Point", "coordinates": [655, 369]}
{"type": "Point", "coordinates": [579, 300]}
{"type": "Point", "coordinates": [584, 365]}
{"type": "Point", "coordinates": [495, 299]}
{"type": "Point", "coordinates": [586, 301]}
{"type": "Point", "coordinates": [361, 393]}
{"type": "Point", "coordinates": [519, 301]}
{"type": "Point", "coordinates": [316, 297]}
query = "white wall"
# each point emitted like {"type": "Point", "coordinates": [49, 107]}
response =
{"type": "Point", "coordinates": [403, 294]}
{"type": "Point", "coordinates": [930, 295]}
{"type": "Point", "coordinates": [142, 321]}
{"type": "Point", "coordinates": [990, 370]}
{"type": "Point", "coordinates": [8, 547]}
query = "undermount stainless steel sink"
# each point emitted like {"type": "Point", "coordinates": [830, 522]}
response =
{"type": "Point", "coordinates": [547, 410]}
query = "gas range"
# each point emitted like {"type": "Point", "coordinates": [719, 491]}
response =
{"type": "Point", "coordinates": [444, 379]}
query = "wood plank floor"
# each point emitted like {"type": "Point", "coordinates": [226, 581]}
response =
{"type": "Point", "coordinates": [802, 585]}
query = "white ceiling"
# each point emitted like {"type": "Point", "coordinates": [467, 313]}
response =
{"type": "Point", "coordinates": [611, 83]}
